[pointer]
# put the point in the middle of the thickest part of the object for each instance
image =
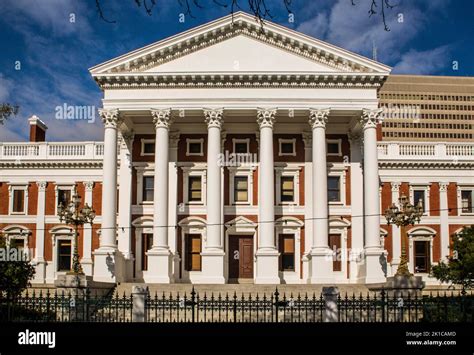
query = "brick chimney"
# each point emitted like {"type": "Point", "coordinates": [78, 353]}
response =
{"type": "Point", "coordinates": [37, 129]}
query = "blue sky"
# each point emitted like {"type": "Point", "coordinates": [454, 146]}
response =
{"type": "Point", "coordinates": [56, 41]}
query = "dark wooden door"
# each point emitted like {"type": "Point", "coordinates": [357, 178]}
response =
{"type": "Point", "coordinates": [335, 245]}
{"type": "Point", "coordinates": [246, 258]}
{"type": "Point", "coordinates": [240, 257]}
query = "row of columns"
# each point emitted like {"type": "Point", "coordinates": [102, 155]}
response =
{"type": "Point", "coordinates": [159, 257]}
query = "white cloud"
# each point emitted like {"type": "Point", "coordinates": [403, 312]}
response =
{"type": "Point", "coordinates": [316, 26]}
{"type": "Point", "coordinates": [423, 62]}
{"type": "Point", "coordinates": [5, 87]}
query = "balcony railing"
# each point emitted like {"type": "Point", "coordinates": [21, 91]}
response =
{"type": "Point", "coordinates": [426, 151]}
{"type": "Point", "coordinates": [52, 151]}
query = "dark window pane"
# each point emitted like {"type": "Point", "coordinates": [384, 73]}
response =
{"type": "Point", "coordinates": [334, 194]}
{"type": "Point", "coordinates": [419, 195]}
{"type": "Point", "coordinates": [148, 188]}
{"type": "Point", "coordinates": [287, 252]}
{"type": "Point", "coordinates": [466, 201]}
{"type": "Point", "coordinates": [149, 148]}
{"type": "Point", "coordinates": [333, 148]}
{"type": "Point", "coordinates": [287, 189]}
{"type": "Point", "coordinates": [18, 200]}
{"type": "Point", "coordinates": [195, 188]}
{"type": "Point", "coordinates": [287, 148]}
{"type": "Point", "coordinates": [64, 255]}
{"type": "Point", "coordinates": [241, 148]}
{"type": "Point", "coordinates": [422, 256]}
{"type": "Point", "coordinates": [241, 189]}
{"type": "Point", "coordinates": [195, 147]}
{"type": "Point", "coordinates": [64, 197]}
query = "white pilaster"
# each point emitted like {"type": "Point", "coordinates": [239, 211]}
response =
{"type": "Point", "coordinates": [125, 207]}
{"type": "Point", "coordinates": [267, 254]}
{"type": "Point", "coordinates": [396, 233]}
{"type": "Point", "coordinates": [104, 256]}
{"type": "Point", "coordinates": [40, 224]}
{"type": "Point", "coordinates": [173, 202]}
{"type": "Point", "coordinates": [444, 219]}
{"type": "Point", "coordinates": [373, 250]}
{"type": "Point", "coordinates": [308, 208]}
{"type": "Point", "coordinates": [159, 256]}
{"type": "Point", "coordinates": [357, 209]}
{"type": "Point", "coordinates": [321, 254]}
{"type": "Point", "coordinates": [86, 261]}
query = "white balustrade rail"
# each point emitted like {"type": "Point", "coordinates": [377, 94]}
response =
{"type": "Point", "coordinates": [52, 151]}
{"type": "Point", "coordinates": [425, 151]}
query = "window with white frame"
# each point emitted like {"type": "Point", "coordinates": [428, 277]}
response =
{"type": "Point", "coordinates": [420, 194]}
{"type": "Point", "coordinates": [240, 146]}
{"type": "Point", "coordinates": [287, 189]}
{"type": "Point", "coordinates": [333, 147]}
{"type": "Point", "coordinates": [64, 194]}
{"type": "Point", "coordinates": [336, 186]}
{"type": "Point", "coordinates": [64, 254]}
{"type": "Point", "coordinates": [286, 147]}
{"type": "Point", "coordinates": [194, 147]}
{"type": "Point", "coordinates": [241, 182]}
{"type": "Point", "coordinates": [18, 199]}
{"type": "Point", "coordinates": [148, 188]}
{"type": "Point", "coordinates": [466, 195]}
{"type": "Point", "coordinates": [147, 147]}
{"type": "Point", "coordinates": [194, 186]}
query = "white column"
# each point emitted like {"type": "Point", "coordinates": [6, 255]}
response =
{"type": "Point", "coordinates": [213, 253]}
{"type": "Point", "coordinates": [104, 256]}
{"type": "Point", "coordinates": [40, 227]}
{"type": "Point", "coordinates": [125, 207]}
{"type": "Point", "coordinates": [159, 256]}
{"type": "Point", "coordinates": [86, 261]}
{"type": "Point", "coordinates": [444, 219]}
{"type": "Point", "coordinates": [267, 254]}
{"type": "Point", "coordinates": [321, 254]}
{"type": "Point", "coordinates": [173, 202]}
{"type": "Point", "coordinates": [357, 208]}
{"type": "Point", "coordinates": [308, 208]}
{"type": "Point", "coordinates": [373, 250]}
{"type": "Point", "coordinates": [396, 233]}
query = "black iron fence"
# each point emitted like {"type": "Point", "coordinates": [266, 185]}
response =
{"type": "Point", "coordinates": [274, 307]}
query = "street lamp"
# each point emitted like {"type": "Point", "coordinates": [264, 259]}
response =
{"type": "Point", "coordinates": [404, 215]}
{"type": "Point", "coordinates": [73, 215]}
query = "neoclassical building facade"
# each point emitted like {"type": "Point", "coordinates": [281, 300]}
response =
{"type": "Point", "coordinates": [233, 154]}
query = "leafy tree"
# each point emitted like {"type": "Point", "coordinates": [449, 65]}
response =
{"type": "Point", "coordinates": [15, 276]}
{"type": "Point", "coordinates": [459, 270]}
{"type": "Point", "coordinates": [6, 111]}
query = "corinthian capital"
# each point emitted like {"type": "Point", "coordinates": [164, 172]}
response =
{"type": "Point", "coordinates": [110, 118]}
{"type": "Point", "coordinates": [318, 118]}
{"type": "Point", "coordinates": [266, 117]}
{"type": "Point", "coordinates": [370, 118]}
{"type": "Point", "coordinates": [214, 117]}
{"type": "Point", "coordinates": [161, 118]}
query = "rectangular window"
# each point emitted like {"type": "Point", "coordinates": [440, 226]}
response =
{"type": "Point", "coordinates": [422, 256]}
{"type": "Point", "coordinates": [287, 252]}
{"type": "Point", "coordinates": [147, 244]}
{"type": "Point", "coordinates": [194, 188]}
{"type": "Point", "coordinates": [333, 147]}
{"type": "Point", "coordinates": [64, 197]}
{"type": "Point", "coordinates": [241, 147]}
{"type": "Point", "coordinates": [194, 147]}
{"type": "Point", "coordinates": [148, 188]}
{"type": "Point", "coordinates": [334, 189]}
{"type": "Point", "coordinates": [335, 245]}
{"type": "Point", "coordinates": [149, 148]}
{"type": "Point", "coordinates": [466, 201]}
{"type": "Point", "coordinates": [287, 147]}
{"type": "Point", "coordinates": [193, 252]}
{"type": "Point", "coordinates": [241, 192]}
{"type": "Point", "coordinates": [287, 192]}
{"type": "Point", "coordinates": [64, 255]}
{"type": "Point", "coordinates": [419, 195]}
{"type": "Point", "coordinates": [18, 201]}
{"type": "Point", "coordinates": [18, 244]}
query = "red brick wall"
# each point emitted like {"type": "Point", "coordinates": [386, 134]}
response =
{"type": "Point", "coordinates": [137, 148]}
{"type": "Point", "coordinates": [32, 198]}
{"type": "Point", "coordinates": [97, 198]}
{"type": "Point", "coordinates": [50, 204]}
{"type": "Point", "coordinates": [345, 148]}
{"type": "Point", "coordinates": [182, 148]}
{"type": "Point", "coordinates": [452, 199]}
{"type": "Point", "coordinates": [386, 196]}
{"type": "Point", "coordinates": [434, 199]}
{"type": "Point", "coordinates": [4, 198]}
{"type": "Point", "coordinates": [348, 186]}
{"type": "Point", "coordinates": [299, 146]}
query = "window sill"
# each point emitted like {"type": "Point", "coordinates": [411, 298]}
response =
{"type": "Point", "coordinates": [18, 213]}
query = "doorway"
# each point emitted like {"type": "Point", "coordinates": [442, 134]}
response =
{"type": "Point", "coordinates": [240, 257]}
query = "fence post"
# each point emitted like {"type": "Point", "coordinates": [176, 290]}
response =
{"type": "Point", "coordinates": [331, 311]}
{"type": "Point", "coordinates": [139, 295]}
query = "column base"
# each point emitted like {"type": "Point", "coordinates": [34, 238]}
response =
{"type": "Point", "coordinates": [159, 266]}
{"type": "Point", "coordinates": [105, 264]}
{"type": "Point", "coordinates": [87, 266]}
{"type": "Point", "coordinates": [212, 267]}
{"type": "Point", "coordinates": [321, 266]}
{"type": "Point", "coordinates": [375, 265]}
{"type": "Point", "coordinates": [40, 271]}
{"type": "Point", "coordinates": [356, 260]}
{"type": "Point", "coordinates": [267, 267]}
{"type": "Point", "coordinates": [124, 269]}
{"type": "Point", "coordinates": [394, 266]}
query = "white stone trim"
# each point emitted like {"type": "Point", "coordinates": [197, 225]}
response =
{"type": "Point", "coordinates": [240, 140]}
{"type": "Point", "coordinates": [144, 141]}
{"type": "Point", "coordinates": [419, 234]}
{"type": "Point", "coordinates": [282, 141]}
{"type": "Point", "coordinates": [142, 171]}
{"type": "Point", "coordinates": [17, 231]}
{"type": "Point", "coordinates": [426, 189]}
{"type": "Point", "coordinates": [290, 225]}
{"type": "Point", "coordinates": [241, 171]}
{"type": "Point", "coordinates": [339, 143]}
{"type": "Point", "coordinates": [341, 173]}
{"type": "Point", "coordinates": [292, 171]}
{"type": "Point", "coordinates": [194, 171]}
{"type": "Point", "coordinates": [143, 225]}
{"type": "Point", "coordinates": [194, 140]}
{"type": "Point", "coordinates": [191, 225]}
{"type": "Point", "coordinates": [62, 232]}
{"type": "Point", "coordinates": [460, 188]}
{"type": "Point", "coordinates": [62, 186]}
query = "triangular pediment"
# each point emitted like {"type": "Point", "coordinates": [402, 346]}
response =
{"type": "Point", "coordinates": [238, 44]}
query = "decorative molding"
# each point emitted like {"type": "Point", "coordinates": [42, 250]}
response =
{"type": "Point", "coordinates": [307, 139]}
{"type": "Point", "coordinates": [89, 185]}
{"type": "Point", "coordinates": [110, 118]}
{"type": "Point", "coordinates": [443, 186]}
{"type": "Point", "coordinates": [318, 118]}
{"type": "Point", "coordinates": [370, 118]}
{"type": "Point", "coordinates": [42, 185]}
{"type": "Point", "coordinates": [161, 118]}
{"type": "Point", "coordinates": [395, 186]}
{"type": "Point", "coordinates": [126, 139]}
{"type": "Point", "coordinates": [355, 138]}
{"type": "Point", "coordinates": [174, 139]}
{"type": "Point", "coordinates": [266, 117]}
{"type": "Point", "coordinates": [214, 118]}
